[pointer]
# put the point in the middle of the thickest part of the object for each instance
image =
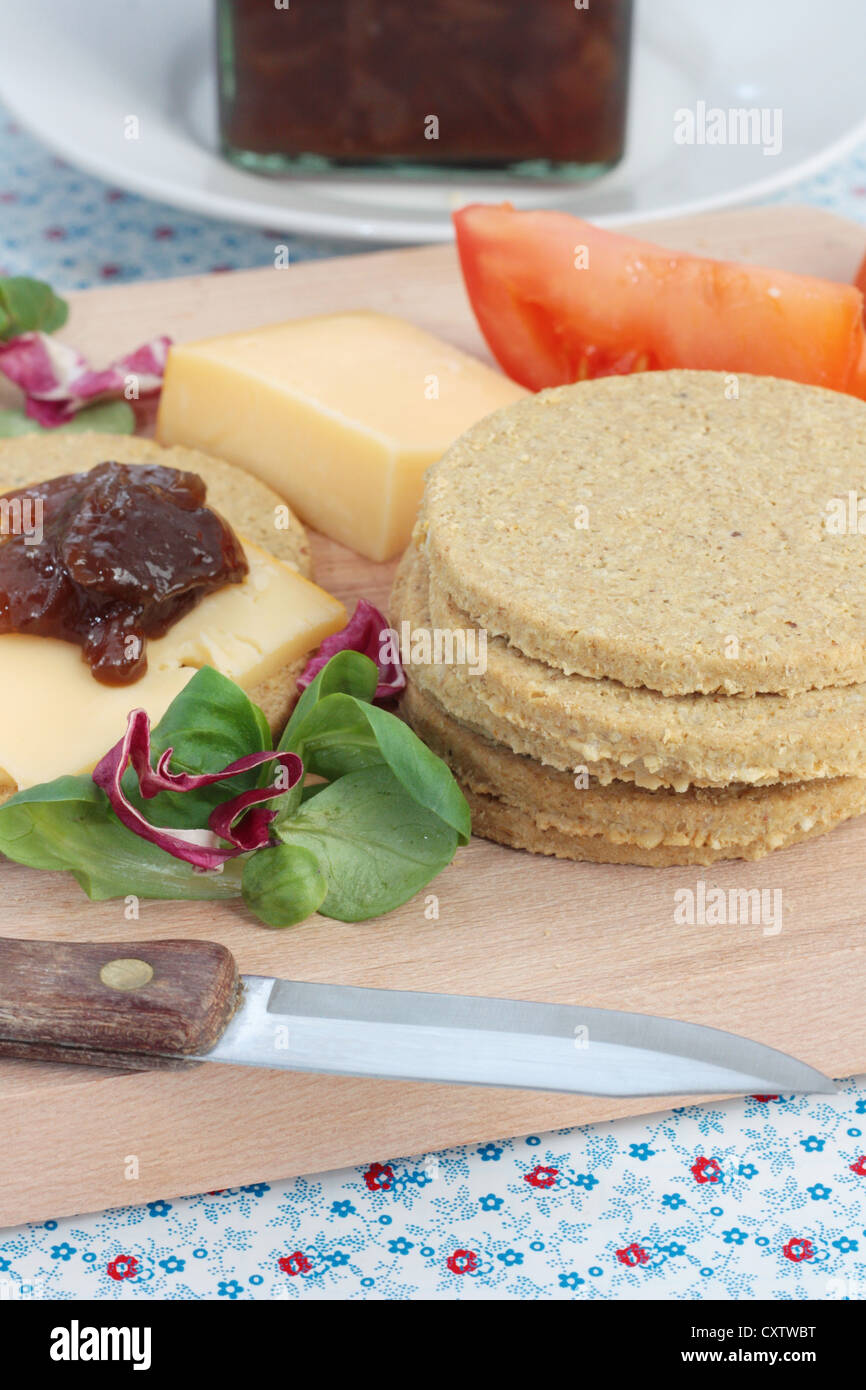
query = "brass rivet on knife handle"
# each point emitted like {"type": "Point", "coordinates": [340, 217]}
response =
{"type": "Point", "coordinates": [127, 1004]}
{"type": "Point", "coordinates": [126, 974]}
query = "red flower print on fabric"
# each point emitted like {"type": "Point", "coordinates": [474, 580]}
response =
{"type": "Point", "coordinates": [707, 1170]}
{"type": "Point", "coordinates": [295, 1264]}
{"type": "Point", "coordinates": [379, 1177]}
{"type": "Point", "coordinates": [633, 1255]}
{"type": "Point", "coordinates": [123, 1267]}
{"type": "Point", "coordinates": [462, 1262]}
{"type": "Point", "coordinates": [541, 1177]}
{"type": "Point", "coordinates": [797, 1249]}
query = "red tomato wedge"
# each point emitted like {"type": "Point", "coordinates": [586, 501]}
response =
{"type": "Point", "coordinates": [860, 277]}
{"type": "Point", "coordinates": [559, 300]}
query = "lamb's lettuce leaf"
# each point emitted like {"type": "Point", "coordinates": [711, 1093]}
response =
{"type": "Point", "coordinates": [381, 818]}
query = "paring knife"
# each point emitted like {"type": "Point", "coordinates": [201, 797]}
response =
{"type": "Point", "coordinates": [139, 1005]}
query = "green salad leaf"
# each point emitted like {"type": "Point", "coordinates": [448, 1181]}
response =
{"type": "Point", "coordinates": [336, 733]}
{"type": "Point", "coordinates": [211, 723]}
{"type": "Point", "coordinates": [376, 845]}
{"type": "Point", "coordinates": [69, 824]}
{"type": "Point", "coordinates": [110, 417]}
{"type": "Point", "coordinates": [347, 673]}
{"type": "Point", "coordinates": [29, 306]}
{"type": "Point", "coordinates": [382, 818]}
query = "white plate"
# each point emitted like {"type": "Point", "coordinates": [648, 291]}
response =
{"type": "Point", "coordinates": [72, 72]}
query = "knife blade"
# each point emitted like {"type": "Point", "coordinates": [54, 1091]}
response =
{"type": "Point", "coordinates": [464, 1039]}
{"type": "Point", "coordinates": [138, 1005]}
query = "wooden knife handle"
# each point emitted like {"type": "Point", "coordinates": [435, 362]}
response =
{"type": "Point", "coordinates": [120, 1004]}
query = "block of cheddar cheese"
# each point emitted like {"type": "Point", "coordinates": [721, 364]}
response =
{"type": "Point", "coordinates": [339, 414]}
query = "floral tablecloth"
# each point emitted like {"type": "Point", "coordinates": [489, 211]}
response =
{"type": "Point", "coordinates": [764, 1197]}
{"type": "Point", "coordinates": [759, 1198]}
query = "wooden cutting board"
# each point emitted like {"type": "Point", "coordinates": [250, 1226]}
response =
{"type": "Point", "coordinates": [508, 923]}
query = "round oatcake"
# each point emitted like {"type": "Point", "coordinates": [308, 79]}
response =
{"type": "Point", "coordinates": [497, 820]}
{"type": "Point", "coordinates": [520, 802]}
{"type": "Point", "coordinates": [247, 504]}
{"type": "Point", "coordinates": [686, 531]}
{"type": "Point", "coordinates": [633, 734]}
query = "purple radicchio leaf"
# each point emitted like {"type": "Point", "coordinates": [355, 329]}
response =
{"type": "Point", "coordinates": [58, 381]}
{"type": "Point", "coordinates": [242, 820]}
{"type": "Point", "coordinates": [367, 631]}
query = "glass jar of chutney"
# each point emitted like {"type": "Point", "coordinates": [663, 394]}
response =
{"type": "Point", "coordinates": [534, 88]}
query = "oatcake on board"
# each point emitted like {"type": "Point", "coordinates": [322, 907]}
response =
{"type": "Point", "coordinates": [248, 505]}
{"type": "Point", "coordinates": [666, 529]}
{"type": "Point", "coordinates": [519, 801]}
{"type": "Point", "coordinates": [633, 734]}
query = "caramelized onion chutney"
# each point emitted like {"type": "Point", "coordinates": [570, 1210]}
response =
{"type": "Point", "coordinates": [537, 88]}
{"type": "Point", "coordinates": [121, 553]}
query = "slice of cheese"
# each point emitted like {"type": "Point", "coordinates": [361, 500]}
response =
{"type": "Point", "coordinates": [55, 718]}
{"type": "Point", "coordinates": [341, 415]}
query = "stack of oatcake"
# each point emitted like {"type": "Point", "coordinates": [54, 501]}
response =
{"type": "Point", "coordinates": [671, 579]}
